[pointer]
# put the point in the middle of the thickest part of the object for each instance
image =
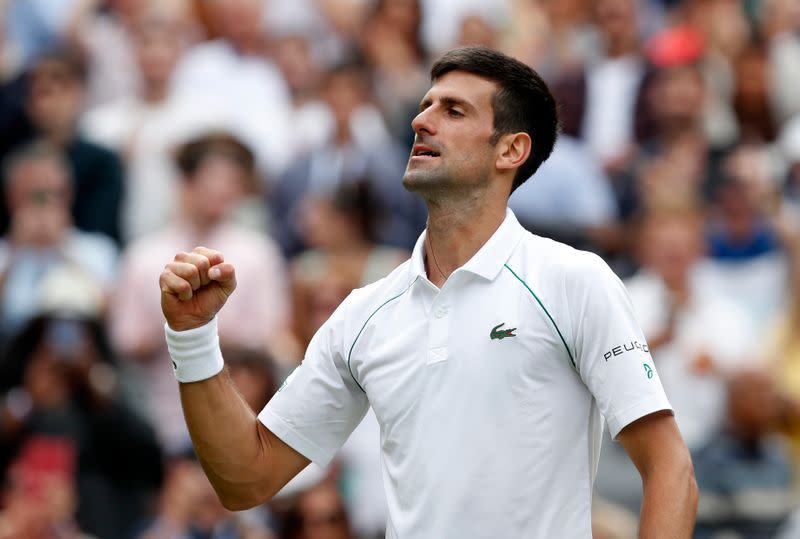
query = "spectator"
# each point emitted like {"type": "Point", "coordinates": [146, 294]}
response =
{"type": "Point", "coordinates": [145, 128]}
{"type": "Point", "coordinates": [39, 498]}
{"type": "Point", "coordinates": [753, 496]}
{"type": "Point", "coordinates": [216, 172]}
{"type": "Point", "coordinates": [694, 335]}
{"type": "Point", "coordinates": [600, 98]}
{"type": "Point", "coordinates": [745, 234]}
{"type": "Point", "coordinates": [189, 509]}
{"type": "Point", "coordinates": [61, 382]}
{"type": "Point", "coordinates": [108, 38]}
{"type": "Point", "coordinates": [675, 158]}
{"type": "Point", "coordinates": [42, 241]}
{"type": "Point", "coordinates": [235, 72]}
{"type": "Point", "coordinates": [392, 48]}
{"type": "Point", "coordinates": [55, 90]}
{"type": "Point", "coordinates": [751, 97]}
{"type": "Point", "coordinates": [318, 513]}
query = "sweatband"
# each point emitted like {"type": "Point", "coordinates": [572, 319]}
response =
{"type": "Point", "coordinates": [195, 352]}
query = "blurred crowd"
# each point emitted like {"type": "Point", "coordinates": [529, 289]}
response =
{"type": "Point", "coordinates": [277, 132]}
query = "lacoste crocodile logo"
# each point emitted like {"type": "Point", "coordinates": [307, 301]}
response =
{"type": "Point", "coordinates": [498, 333]}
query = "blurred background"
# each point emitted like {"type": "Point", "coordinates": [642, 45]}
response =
{"type": "Point", "coordinates": [278, 132]}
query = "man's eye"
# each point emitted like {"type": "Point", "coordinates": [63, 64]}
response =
{"type": "Point", "coordinates": [454, 113]}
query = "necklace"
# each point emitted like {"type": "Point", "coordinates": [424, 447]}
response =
{"type": "Point", "coordinates": [436, 262]}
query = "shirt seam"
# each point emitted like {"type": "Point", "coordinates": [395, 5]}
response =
{"type": "Point", "coordinates": [546, 312]}
{"type": "Point", "coordinates": [350, 353]}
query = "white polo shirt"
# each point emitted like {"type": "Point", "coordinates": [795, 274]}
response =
{"type": "Point", "coordinates": [490, 393]}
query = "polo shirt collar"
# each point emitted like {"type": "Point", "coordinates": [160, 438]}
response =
{"type": "Point", "coordinates": [488, 261]}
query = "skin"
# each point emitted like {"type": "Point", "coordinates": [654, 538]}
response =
{"type": "Point", "coordinates": [466, 188]}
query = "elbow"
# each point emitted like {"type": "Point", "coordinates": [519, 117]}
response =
{"type": "Point", "coordinates": [237, 504]}
{"type": "Point", "coordinates": [243, 500]}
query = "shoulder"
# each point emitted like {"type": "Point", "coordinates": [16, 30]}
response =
{"type": "Point", "coordinates": [94, 154]}
{"type": "Point", "coordinates": [91, 243]}
{"type": "Point", "coordinates": [110, 123]}
{"type": "Point", "coordinates": [549, 260]}
{"type": "Point", "coordinates": [210, 50]}
{"type": "Point", "coordinates": [363, 302]}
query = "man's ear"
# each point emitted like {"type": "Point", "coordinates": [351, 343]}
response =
{"type": "Point", "coordinates": [513, 150]}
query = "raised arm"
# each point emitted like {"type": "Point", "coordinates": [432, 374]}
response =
{"type": "Point", "coordinates": [656, 447]}
{"type": "Point", "coordinates": [245, 462]}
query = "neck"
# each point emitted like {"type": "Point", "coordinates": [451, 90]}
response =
{"type": "Point", "coordinates": [58, 136]}
{"type": "Point", "coordinates": [200, 228]}
{"type": "Point", "coordinates": [620, 46]}
{"type": "Point", "coordinates": [457, 230]}
{"type": "Point", "coordinates": [155, 92]}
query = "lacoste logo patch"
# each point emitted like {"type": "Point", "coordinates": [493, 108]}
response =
{"type": "Point", "coordinates": [498, 333]}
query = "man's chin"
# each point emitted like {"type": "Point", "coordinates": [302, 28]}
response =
{"type": "Point", "coordinates": [417, 183]}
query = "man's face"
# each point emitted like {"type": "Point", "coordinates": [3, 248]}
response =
{"type": "Point", "coordinates": [453, 147]}
{"type": "Point", "coordinates": [54, 97]}
{"type": "Point", "coordinates": [670, 248]}
{"type": "Point", "coordinates": [215, 189]}
{"type": "Point", "coordinates": [39, 202]}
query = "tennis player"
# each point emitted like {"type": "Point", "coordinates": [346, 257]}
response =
{"type": "Point", "coordinates": [492, 359]}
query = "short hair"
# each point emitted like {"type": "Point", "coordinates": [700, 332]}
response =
{"type": "Point", "coordinates": [522, 103]}
{"type": "Point", "coordinates": [190, 156]}
{"type": "Point", "coordinates": [37, 150]}
{"type": "Point", "coordinates": [70, 58]}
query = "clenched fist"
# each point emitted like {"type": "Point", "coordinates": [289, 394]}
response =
{"type": "Point", "coordinates": [194, 287]}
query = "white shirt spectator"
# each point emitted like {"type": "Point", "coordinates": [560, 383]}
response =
{"type": "Point", "coordinates": [250, 90]}
{"type": "Point", "coordinates": [25, 269]}
{"type": "Point", "coordinates": [612, 86]}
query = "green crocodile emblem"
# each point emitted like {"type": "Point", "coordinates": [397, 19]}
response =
{"type": "Point", "coordinates": [498, 333]}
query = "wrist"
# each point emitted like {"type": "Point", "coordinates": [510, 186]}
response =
{"type": "Point", "coordinates": [195, 352]}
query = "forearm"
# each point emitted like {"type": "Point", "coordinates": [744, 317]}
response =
{"type": "Point", "coordinates": [228, 440]}
{"type": "Point", "coordinates": [669, 506]}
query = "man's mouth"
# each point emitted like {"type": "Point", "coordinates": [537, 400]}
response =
{"type": "Point", "coordinates": [420, 150]}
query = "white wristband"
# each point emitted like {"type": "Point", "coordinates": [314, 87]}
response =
{"type": "Point", "coordinates": [195, 352]}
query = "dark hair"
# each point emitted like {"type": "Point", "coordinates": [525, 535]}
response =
{"type": "Point", "coordinates": [20, 346]}
{"type": "Point", "coordinates": [523, 101]}
{"type": "Point", "coordinates": [190, 156]}
{"type": "Point", "coordinates": [72, 59]}
{"type": "Point", "coordinates": [357, 200]}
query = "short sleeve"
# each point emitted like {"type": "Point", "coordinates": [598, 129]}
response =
{"type": "Point", "coordinates": [611, 353]}
{"type": "Point", "coordinates": [320, 404]}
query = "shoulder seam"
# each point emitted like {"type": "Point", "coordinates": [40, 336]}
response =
{"type": "Point", "coordinates": [350, 353]}
{"type": "Point", "coordinates": [546, 312]}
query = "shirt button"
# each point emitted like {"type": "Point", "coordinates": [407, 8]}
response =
{"type": "Point", "coordinates": [441, 312]}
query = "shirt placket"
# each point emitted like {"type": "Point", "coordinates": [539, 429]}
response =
{"type": "Point", "coordinates": [438, 328]}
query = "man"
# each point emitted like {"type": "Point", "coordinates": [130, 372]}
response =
{"type": "Point", "coordinates": [42, 245]}
{"type": "Point", "coordinates": [487, 358]}
{"type": "Point", "coordinates": [55, 91]}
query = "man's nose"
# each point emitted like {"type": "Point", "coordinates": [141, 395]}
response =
{"type": "Point", "coordinates": [423, 122]}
